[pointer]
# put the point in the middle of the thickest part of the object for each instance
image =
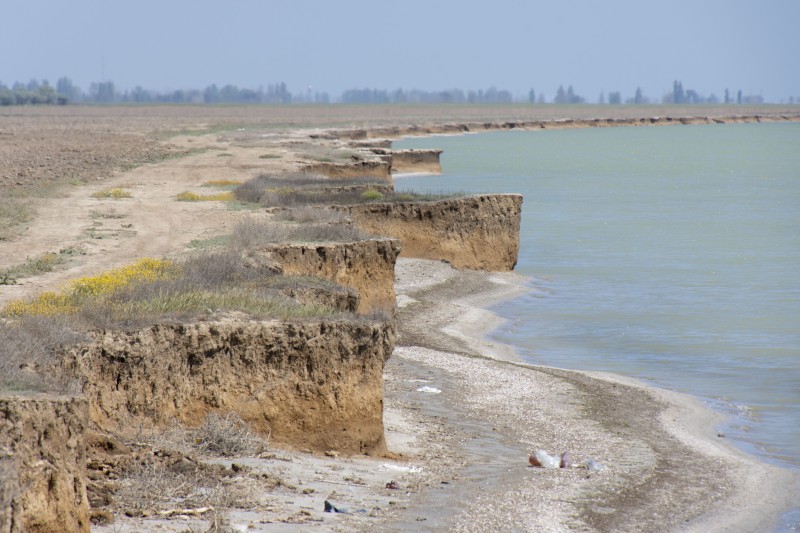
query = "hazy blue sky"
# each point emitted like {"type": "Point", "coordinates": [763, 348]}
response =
{"type": "Point", "coordinates": [601, 45]}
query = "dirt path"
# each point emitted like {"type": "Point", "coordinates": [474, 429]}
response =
{"type": "Point", "coordinates": [114, 232]}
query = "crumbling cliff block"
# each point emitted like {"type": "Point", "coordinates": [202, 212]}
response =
{"type": "Point", "coordinates": [478, 232]}
{"type": "Point", "coordinates": [426, 161]}
{"type": "Point", "coordinates": [310, 384]}
{"type": "Point", "coordinates": [367, 266]}
{"type": "Point", "coordinates": [43, 463]}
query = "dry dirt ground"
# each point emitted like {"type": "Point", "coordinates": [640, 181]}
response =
{"type": "Point", "coordinates": [457, 470]}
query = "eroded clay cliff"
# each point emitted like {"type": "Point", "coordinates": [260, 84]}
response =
{"type": "Point", "coordinates": [311, 385]}
{"type": "Point", "coordinates": [426, 161]}
{"type": "Point", "coordinates": [367, 266]}
{"type": "Point", "coordinates": [476, 232]}
{"type": "Point", "coordinates": [43, 460]}
{"type": "Point", "coordinates": [377, 167]}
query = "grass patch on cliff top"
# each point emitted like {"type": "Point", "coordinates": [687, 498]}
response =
{"type": "Point", "coordinates": [26, 349]}
{"type": "Point", "coordinates": [151, 290]}
{"type": "Point", "coordinates": [253, 235]}
{"type": "Point", "coordinates": [310, 189]}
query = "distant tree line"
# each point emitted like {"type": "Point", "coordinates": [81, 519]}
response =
{"type": "Point", "coordinates": [32, 93]}
{"type": "Point", "coordinates": [492, 95]}
{"type": "Point", "coordinates": [37, 92]}
{"type": "Point", "coordinates": [41, 92]}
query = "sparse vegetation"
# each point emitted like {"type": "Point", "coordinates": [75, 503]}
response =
{"type": "Point", "coordinates": [111, 213]}
{"type": "Point", "coordinates": [77, 292]}
{"type": "Point", "coordinates": [254, 235]}
{"type": "Point", "coordinates": [221, 183]}
{"type": "Point", "coordinates": [309, 189]}
{"type": "Point", "coordinates": [194, 197]}
{"type": "Point", "coordinates": [14, 212]}
{"type": "Point", "coordinates": [39, 265]}
{"type": "Point", "coordinates": [27, 346]}
{"type": "Point", "coordinates": [151, 290]}
{"type": "Point", "coordinates": [372, 194]}
{"type": "Point", "coordinates": [143, 293]}
{"type": "Point", "coordinates": [155, 486]}
{"type": "Point", "coordinates": [306, 214]}
{"type": "Point", "coordinates": [114, 193]}
{"type": "Point", "coordinates": [228, 436]}
{"type": "Point", "coordinates": [211, 242]}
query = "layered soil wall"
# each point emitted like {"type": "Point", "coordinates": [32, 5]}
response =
{"type": "Point", "coordinates": [474, 232]}
{"type": "Point", "coordinates": [367, 266]}
{"type": "Point", "coordinates": [312, 385]}
{"type": "Point", "coordinates": [416, 161]}
{"type": "Point", "coordinates": [380, 168]}
{"type": "Point", "coordinates": [43, 464]}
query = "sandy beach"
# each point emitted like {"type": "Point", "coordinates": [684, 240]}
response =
{"type": "Point", "coordinates": [462, 414]}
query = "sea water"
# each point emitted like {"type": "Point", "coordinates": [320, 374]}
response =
{"type": "Point", "coordinates": [670, 254]}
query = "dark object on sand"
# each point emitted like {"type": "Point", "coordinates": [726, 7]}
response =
{"type": "Point", "coordinates": [394, 485]}
{"type": "Point", "coordinates": [330, 508]}
{"type": "Point", "coordinates": [533, 460]}
{"type": "Point", "coordinates": [566, 460]}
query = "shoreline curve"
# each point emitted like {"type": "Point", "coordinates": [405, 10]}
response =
{"type": "Point", "coordinates": [666, 467]}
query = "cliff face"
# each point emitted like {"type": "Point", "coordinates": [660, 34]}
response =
{"type": "Point", "coordinates": [474, 232]}
{"type": "Point", "coordinates": [476, 127]}
{"type": "Point", "coordinates": [380, 167]}
{"type": "Point", "coordinates": [43, 464]}
{"type": "Point", "coordinates": [416, 161]}
{"type": "Point", "coordinates": [315, 385]}
{"type": "Point", "coordinates": [367, 266]}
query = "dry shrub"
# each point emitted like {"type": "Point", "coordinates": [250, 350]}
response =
{"type": "Point", "coordinates": [307, 214]}
{"type": "Point", "coordinates": [296, 188]}
{"type": "Point", "coordinates": [27, 348]}
{"type": "Point", "coordinates": [171, 478]}
{"type": "Point", "coordinates": [252, 235]}
{"type": "Point", "coordinates": [309, 189]}
{"type": "Point", "coordinates": [228, 436]}
{"type": "Point", "coordinates": [154, 487]}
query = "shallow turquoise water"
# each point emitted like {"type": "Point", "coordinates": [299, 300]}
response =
{"type": "Point", "coordinates": [670, 254]}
